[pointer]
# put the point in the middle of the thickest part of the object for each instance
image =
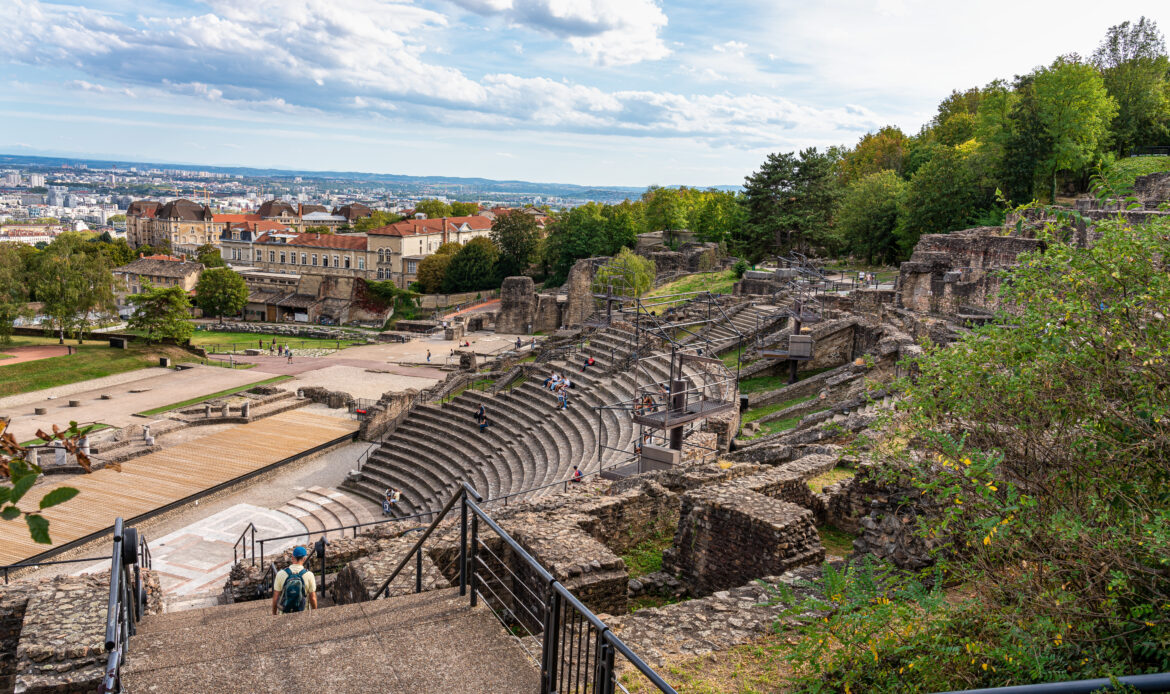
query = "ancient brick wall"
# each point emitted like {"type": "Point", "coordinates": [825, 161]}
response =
{"type": "Point", "coordinates": [517, 306]}
{"type": "Point", "coordinates": [728, 535]}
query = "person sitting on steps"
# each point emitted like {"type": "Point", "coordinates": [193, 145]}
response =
{"type": "Point", "coordinates": [588, 362]}
{"type": "Point", "coordinates": [577, 476]}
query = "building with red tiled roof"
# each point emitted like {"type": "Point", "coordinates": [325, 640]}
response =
{"type": "Point", "coordinates": [399, 248]}
{"type": "Point", "coordinates": [160, 271]}
{"type": "Point", "coordinates": [291, 252]}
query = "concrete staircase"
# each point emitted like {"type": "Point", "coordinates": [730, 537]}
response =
{"type": "Point", "coordinates": [427, 642]}
{"type": "Point", "coordinates": [529, 443]}
{"type": "Point", "coordinates": [745, 321]}
{"type": "Point", "coordinates": [318, 508]}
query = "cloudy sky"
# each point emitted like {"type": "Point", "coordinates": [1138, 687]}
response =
{"type": "Point", "coordinates": [599, 92]}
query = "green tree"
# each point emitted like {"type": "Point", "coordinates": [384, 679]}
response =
{"type": "Point", "coordinates": [623, 223]}
{"type": "Point", "coordinates": [464, 209]}
{"type": "Point", "coordinates": [431, 271]}
{"type": "Point", "coordinates": [515, 235]}
{"type": "Point", "coordinates": [579, 233]}
{"type": "Point", "coordinates": [868, 217]}
{"type": "Point", "coordinates": [717, 216]}
{"type": "Point", "coordinates": [163, 312]}
{"type": "Point", "coordinates": [221, 292]}
{"type": "Point", "coordinates": [473, 267]}
{"type": "Point", "coordinates": [941, 197]}
{"type": "Point", "coordinates": [117, 219]}
{"type": "Point", "coordinates": [322, 229]}
{"type": "Point", "coordinates": [789, 201]}
{"type": "Point", "coordinates": [628, 274]}
{"type": "Point", "coordinates": [72, 286]}
{"type": "Point", "coordinates": [666, 209]}
{"type": "Point", "coordinates": [13, 289]}
{"type": "Point", "coordinates": [376, 220]}
{"type": "Point", "coordinates": [209, 256]}
{"type": "Point", "coordinates": [433, 209]}
{"type": "Point", "coordinates": [880, 151]}
{"type": "Point", "coordinates": [1136, 71]}
{"type": "Point", "coordinates": [1075, 111]}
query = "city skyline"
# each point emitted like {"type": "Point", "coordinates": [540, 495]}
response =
{"type": "Point", "coordinates": [593, 93]}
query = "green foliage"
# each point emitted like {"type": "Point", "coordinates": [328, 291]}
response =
{"type": "Point", "coordinates": [740, 268]}
{"type": "Point", "coordinates": [588, 231]}
{"type": "Point", "coordinates": [376, 220]}
{"type": "Point", "coordinates": [209, 256]}
{"type": "Point", "coordinates": [72, 286]}
{"type": "Point", "coordinates": [789, 201]}
{"type": "Point", "coordinates": [941, 197]}
{"type": "Point", "coordinates": [473, 267]}
{"type": "Point", "coordinates": [464, 209]}
{"type": "Point", "coordinates": [163, 312]}
{"type": "Point", "coordinates": [315, 230]}
{"type": "Point", "coordinates": [629, 274]}
{"type": "Point", "coordinates": [433, 209]}
{"type": "Point", "coordinates": [18, 474]}
{"type": "Point", "coordinates": [1075, 111]}
{"type": "Point", "coordinates": [515, 234]}
{"type": "Point", "coordinates": [1042, 443]}
{"type": "Point", "coordinates": [431, 271]}
{"type": "Point", "coordinates": [1122, 173]}
{"type": "Point", "coordinates": [868, 217]}
{"type": "Point", "coordinates": [13, 289]}
{"type": "Point", "coordinates": [221, 292]}
{"type": "Point", "coordinates": [117, 219]}
{"type": "Point", "coordinates": [884, 150]}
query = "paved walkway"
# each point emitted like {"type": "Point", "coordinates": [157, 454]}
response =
{"type": "Point", "coordinates": [153, 481]}
{"type": "Point", "coordinates": [32, 353]}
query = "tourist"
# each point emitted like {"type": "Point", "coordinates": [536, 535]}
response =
{"type": "Point", "coordinates": [480, 414]}
{"type": "Point", "coordinates": [428, 356]}
{"type": "Point", "coordinates": [549, 380]}
{"type": "Point", "coordinates": [588, 362]}
{"type": "Point", "coordinates": [483, 423]}
{"type": "Point", "coordinates": [293, 586]}
{"type": "Point", "coordinates": [577, 476]}
{"type": "Point", "coordinates": [519, 344]}
{"type": "Point", "coordinates": [387, 500]}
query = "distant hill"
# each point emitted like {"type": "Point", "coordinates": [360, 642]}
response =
{"type": "Point", "coordinates": [481, 186]}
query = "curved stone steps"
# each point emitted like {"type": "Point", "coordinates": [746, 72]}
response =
{"type": "Point", "coordinates": [487, 443]}
{"type": "Point", "coordinates": [458, 436]}
{"type": "Point", "coordinates": [403, 471]}
{"type": "Point", "coordinates": [505, 449]}
{"type": "Point", "coordinates": [534, 456]}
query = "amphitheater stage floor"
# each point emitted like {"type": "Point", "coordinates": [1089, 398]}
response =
{"type": "Point", "coordinates": [152, 483]}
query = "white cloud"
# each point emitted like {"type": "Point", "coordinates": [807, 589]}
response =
{"type": "Point", "coordinates": [609, 32]}
{"type": "Point", "coordinates": [734, 47]}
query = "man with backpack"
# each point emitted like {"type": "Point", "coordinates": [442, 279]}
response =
{"type": "Point", "coordinates": [294, 586]}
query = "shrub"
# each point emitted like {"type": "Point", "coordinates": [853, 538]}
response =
{"type": "Point", "coordinates": [740, 267]}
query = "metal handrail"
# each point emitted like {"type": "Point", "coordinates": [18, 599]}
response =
{"type": "Point", "coordinates": [126, 603]}
{"type": "Point", "coordinates": [555, 597]}
{"type": "Point", "coordinates": [1159, 682]}
{"type": "Point", "coordinates": [242, 545]}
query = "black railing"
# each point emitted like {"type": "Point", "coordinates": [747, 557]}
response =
{"type": "Point", "coordinates": [127, 600]}
{"type": "Point", "coordinates": [1143, 683]}
{"type": "Point", "coordinates": [577, 650]}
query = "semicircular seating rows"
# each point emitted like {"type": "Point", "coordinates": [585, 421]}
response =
{"type": "Point", "coordinates": [529, 444]}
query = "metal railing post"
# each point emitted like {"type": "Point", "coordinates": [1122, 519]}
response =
{"type": "Point", "coordinates": [418, 570]}
{"type": "Point", "coordinates": [551, 641]}
{"type": "Point", "coordinates": [474, 553]}
{"type": "Point", "coordinates": [463, 545]}
{"type": "Point", "coordinates": [604, 675]}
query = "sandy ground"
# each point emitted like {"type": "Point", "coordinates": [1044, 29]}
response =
{"type": "Point", "coordinates": [32, 353]}
{"type": "Point", "coordinates": [358, 381]}
{"type": "Point", "coordinates": [157, 387]}
{"type": "Point", "coordinates": [415, 352]}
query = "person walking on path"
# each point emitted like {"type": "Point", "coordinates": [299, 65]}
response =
{"type": "Point", "coordinates": [483, 423]}
{"type": "Point", "coordinates": [294, 586]}
{"type": "Point", "coordinates": [480, 414]}
{"type": "Point", "coordinates": [428, 356]}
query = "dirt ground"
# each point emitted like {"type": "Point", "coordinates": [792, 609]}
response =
{"type": "Point", "coordinates": [32, 353]}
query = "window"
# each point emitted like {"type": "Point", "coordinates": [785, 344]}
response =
{"type": "Point", "coordinates": [292, 258]}
{"type": "Point", "coordinates": [411, 267]}
{"type": "Point", "coordinates": [347, 262]}
{"type": "Point", "coordinates": [272, 256]}
{"type": "Point", "coordinates": [324, 260]}
{"type": "Point", "coordinates": [314, 260]}
{"type": "Point", "coordinates": [361, 262]}
{"type": "Point", "coordinates": [303, 259]}
{"type": "Point", "coordinates": [283, 258]}
{"type": "Point", "coordinates": [381, 256]}
{"type": "Point", "coordinates": [336, 262]}
{"type": "Point", "coordinates": [259, 254]}
{"type": "Point", "coordinates": [381, 275]}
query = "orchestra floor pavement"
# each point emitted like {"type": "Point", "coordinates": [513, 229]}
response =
{"type": "Point", "coordinates": [156, 480]}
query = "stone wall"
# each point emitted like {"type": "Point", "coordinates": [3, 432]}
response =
{"type": "Point", "coordinates": [385, 416]}
{"type": "Point", "coordinates": [547, 316]}
{"type": "Point", "coordinates": [955, 274]}
{"type": "Point", "coordinates": [728, 535]}
{"type": "Point", "coordinates": [691, 257]}
{"type": "Point", "coordinates": [891, 530]}
{"type": "Point", "coordinates": [579, 287]}
{"type": "Point", "coordinates": [517, 306]}
{"type": "Point", "coordinates": [247, 582]}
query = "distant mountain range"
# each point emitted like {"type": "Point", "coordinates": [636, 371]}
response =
{"type": "Point", "coordinates": [481, 186]}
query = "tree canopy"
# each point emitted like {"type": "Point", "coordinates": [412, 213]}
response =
{"type": "Point", "coordinates": [473, 267]}
{"type": "Point", "coordinates": [221, 292]}
{"type": "Point", "coordinates": [515, 234]}
{"type": "Point", "coordinates": [163, 312]}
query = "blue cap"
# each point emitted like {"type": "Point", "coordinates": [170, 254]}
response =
{"type": "Point", "coordinates": [300, 552]}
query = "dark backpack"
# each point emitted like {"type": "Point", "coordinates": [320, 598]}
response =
{"type": "Point", "coordinates": [292, 595]}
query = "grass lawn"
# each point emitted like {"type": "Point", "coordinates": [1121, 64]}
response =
{"type": "Point", "coordinates": [88, 429]}
{"type": "Point", "coordinates": [212, 396]}
{"type": "Point", "coordinates": [715, 282]}
{"type": "Point", "coordinates": [836, 541]}
{"type": "Point", "coordinates": [759, 384]}
{"type": "Point", "coordinates": [756, 412]}
{"type": "Point", "coordinates": [755, 668]}
{"type": "Point", "coordinates": [90, 360]}
{"type": "Point", "coordinates": [818, 483]}
{"type": "Point", "coordinates": [646, 558]}
{"type": "Point", "coordinates": [782, 424]}
{"type": "Point", "coordinates": [208, 338]}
